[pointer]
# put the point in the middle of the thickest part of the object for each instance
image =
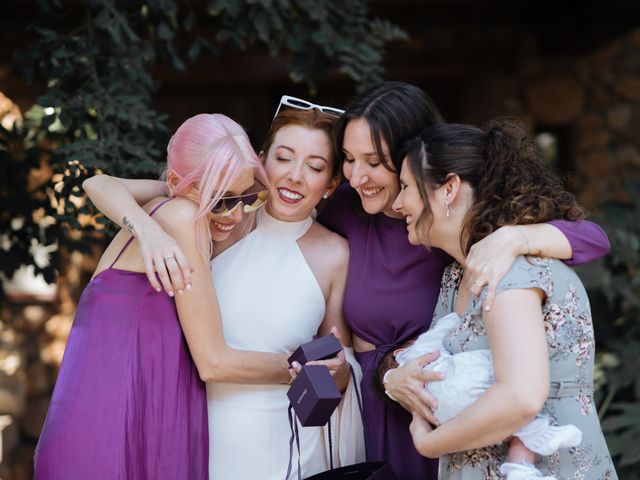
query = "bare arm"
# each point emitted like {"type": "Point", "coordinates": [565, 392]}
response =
{"type": "Point", "coordinates": [120, 199]}
{"type": "Point", "coordinates": [521, 367]}
{"type": "Point", "coordinates": [588, 241]}
{"type": "Point", "coordinates": [200, 317]}
{"type": "Point", "coordinates": [333, 317]}
{"type": "Point", "coordinates": [491, 258]}
{"type": "Point", "coordinates": [333, 321]}
{"type": "Point", "coordinates": [573, 242]}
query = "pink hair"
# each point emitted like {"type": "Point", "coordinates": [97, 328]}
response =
{"type": "Point", "coordinates": [208, 151]}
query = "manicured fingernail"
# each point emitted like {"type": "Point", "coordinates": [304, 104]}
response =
{"type": "Point", "coordinates": [158, 289]}
{"type": "Point", "coordinates": [170, 293]}
{"type": "Point", "coordinates": [180, 292]}
{"type": "Point", "coordinates": [188, 286]}
{"type": "Point", "coordinates": [486, 309]}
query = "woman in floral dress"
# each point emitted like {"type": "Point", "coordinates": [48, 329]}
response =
{"type": "Point", "coordinates": [460, 183]}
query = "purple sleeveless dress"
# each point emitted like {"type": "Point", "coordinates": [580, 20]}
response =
{"type": "Point", "coordinates": [128, 402]}
{"type": "Point", "coordinates": [391, 293]}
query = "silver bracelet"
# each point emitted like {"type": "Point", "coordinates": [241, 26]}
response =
{"type": "Point", "coordinates": [385, 378]}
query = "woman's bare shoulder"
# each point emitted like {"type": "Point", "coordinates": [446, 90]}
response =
{"type": "Point", "coordinates": [331, 244]}
{"type": "Point", "coordinates": [181, 208]}
{"type": "Point", "coordinates": [177, 215]}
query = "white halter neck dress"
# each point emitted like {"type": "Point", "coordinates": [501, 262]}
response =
{"type": "Point", "coordinates": [270, 301]}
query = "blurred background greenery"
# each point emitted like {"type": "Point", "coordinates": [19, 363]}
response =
{"type": "Point", "coordinates": [108, 80]}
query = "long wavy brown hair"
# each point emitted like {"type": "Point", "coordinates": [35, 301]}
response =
{"type": "Point", "coordinates": [511, 183]}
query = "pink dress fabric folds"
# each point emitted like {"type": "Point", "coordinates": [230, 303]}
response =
{"type": "Point", "coordinates": [128, 402]}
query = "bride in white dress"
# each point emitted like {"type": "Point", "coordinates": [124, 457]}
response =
{"type": "Point", "coordinates": [276, 288]}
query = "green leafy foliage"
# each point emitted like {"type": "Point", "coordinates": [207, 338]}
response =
{"type": "Point", "coordinates": [28, 217]}
{"type": "Point", "coordinates": [95, 115]}
{"type": "Point", "coordinates": [319, 35]}
{"type": "Point", "coordinates": [97, 112]}
{"type": "Point", "coordinates": [614, 289]}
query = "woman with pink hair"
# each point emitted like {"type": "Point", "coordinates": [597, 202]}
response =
{"type": "Point", "coordinates": [277, 287]}
{"type": "Point", "coordinates": [130, 400]}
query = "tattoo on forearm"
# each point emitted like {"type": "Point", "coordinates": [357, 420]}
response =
{"type": "Point", "coordinates": [127, 223]}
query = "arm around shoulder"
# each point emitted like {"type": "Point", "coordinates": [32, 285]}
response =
{"type": "Point", "coordinates": [118, 198]}
{"type": "Point", "coordinates": [200, 317]}
{"type": "Point", "coordinates": [588, 240]}
{"type": "Point", "coordinates": [574, 242]}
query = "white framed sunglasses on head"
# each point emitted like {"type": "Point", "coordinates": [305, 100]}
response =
{"type": "Point", "coordinates": [300, 104]}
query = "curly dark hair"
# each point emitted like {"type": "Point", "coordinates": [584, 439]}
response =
{"type": "Point", "coordinates": [511, 183]}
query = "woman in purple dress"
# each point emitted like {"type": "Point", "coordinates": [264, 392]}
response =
{"type": "Point", "coordinates": [393, 286]}
{"type": "Point", "coordinates": [129, 401]}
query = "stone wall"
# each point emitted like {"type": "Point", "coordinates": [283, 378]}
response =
{"type": "Point", "coordinates": [593, 100]}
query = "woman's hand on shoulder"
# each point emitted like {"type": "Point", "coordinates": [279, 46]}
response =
{"type": "Point", "coordinates": [407, 386]}
{"type": "Point", "coordinates": [490, 259]}
{"type": "Point", "coordinates": [161, 253]}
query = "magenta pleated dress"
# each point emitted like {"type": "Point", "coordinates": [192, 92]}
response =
{"type": "Point", "coordinates": [128, 402]}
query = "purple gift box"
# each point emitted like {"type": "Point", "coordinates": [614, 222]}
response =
{"type": "Point", "coordinates": [314, 395]}
{"type": "Point", "coordinates": [320, 348]}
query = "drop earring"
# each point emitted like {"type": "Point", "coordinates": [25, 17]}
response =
{"type": "Point", "coordinates": [326, 195]}
{"type": "Point", "coordinates": [448, 209]}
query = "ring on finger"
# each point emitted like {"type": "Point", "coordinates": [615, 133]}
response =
{"type": "Point", "coordinates": [168, 257]}
{"type": "Point", "coordinates": [478, 283]}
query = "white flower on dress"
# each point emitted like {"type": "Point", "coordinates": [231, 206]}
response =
{"type": "Point", "coordinates": [569, 328]}
{"type": "Point", "coordinates": [585, 402]}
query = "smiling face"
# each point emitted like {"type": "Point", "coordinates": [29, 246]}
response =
{"type": "Point", "coordinates": [428, 222]}
{"type": "Point", "coordinates": [299, 168]}
{"type": "Point", "coordinates": [409, 204]}
{"type": "Point", "coordinates": [376, 185]}
{"type": "Point", "coordinates": [221, 226]}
